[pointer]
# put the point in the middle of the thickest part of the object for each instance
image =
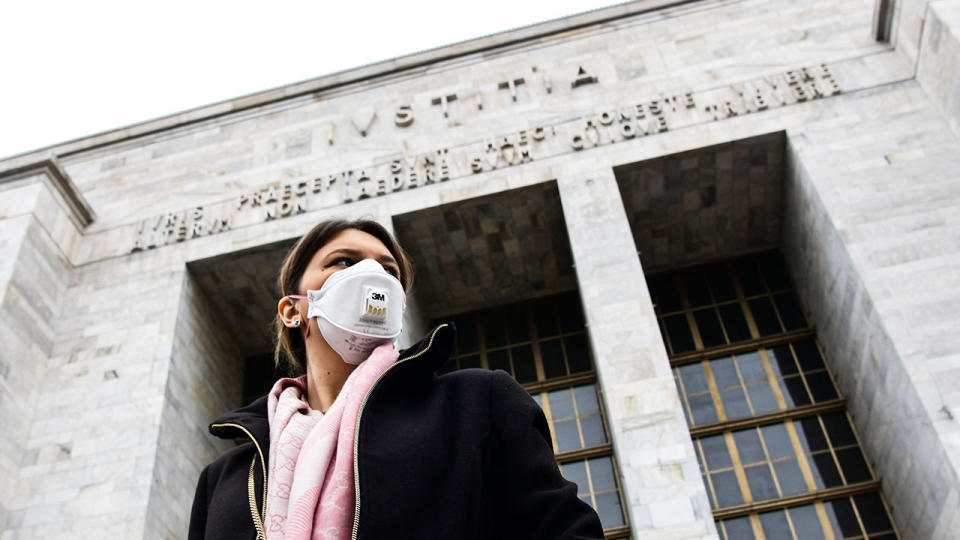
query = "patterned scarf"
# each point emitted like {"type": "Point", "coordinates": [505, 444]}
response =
{"type": "Point", "coordinates": [310, 495]}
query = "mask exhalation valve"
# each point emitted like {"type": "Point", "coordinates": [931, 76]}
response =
{"type": "Point", "coordinates": [375, 304]}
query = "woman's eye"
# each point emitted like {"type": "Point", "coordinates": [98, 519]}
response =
{"type": "Point", "coordinates": [393, 272]}
{"type": "Point", "coordinates": [342, 262]}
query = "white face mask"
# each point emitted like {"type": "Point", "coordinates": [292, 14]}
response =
{"type": "Point", "coordinates": [357, 309]}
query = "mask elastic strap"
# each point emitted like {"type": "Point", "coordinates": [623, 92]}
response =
{"type": "Point", "coordinates": [302, 297]}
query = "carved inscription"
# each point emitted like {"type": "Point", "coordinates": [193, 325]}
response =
{"type": "Point", "coordinates": [583, 78]}
{"type": "Point", "coordinates": [511, 86]}
{"type": "Point", "coordinates": [177, 227]}
{"type": "Point", "coordinates": [404, 116]}
{"type": "Point", "coordinates": [407, 170]}
{"type": "Point", "coordinates": [442, 101]}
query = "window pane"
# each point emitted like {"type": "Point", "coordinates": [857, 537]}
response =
{"type": "Point", "coordinates": [838, 429]}
{"type": "Point", "coordinates": [777, 441]}
{"type": "Point", "coordinates": [709, 326]}
{"type": "Point", "coordinates": [523, 364]}
{"type": "Point", "coordinates": [775, 526]}
{"type": "Point", "coordinates": [824, 471]}
{"type": "Point", "coordinates": [738, 529]}
{"type": "Point", "coordinates": [748, 446]}
{"type": "Point", "coordinates": [586, 397]}
{"type": "Point", "coordinates": [544, 314]}
{"type": "Point", "coordinates": [681, 340]}
{"type": "Point", "coordinates": [696, 288]}
{"type": "Point", "coordinates": [720, 282]}
{"type": "Point", "coordinates": [493, 330]}
{"type": "Point", "coordinates": [811, 434]}
{"type": "Point", "coordinates": [762, 399]}
{"type": "Point", "coordinates": [794, 392]}
{"type": "Point", "coordinates": [702, 409]}
{"type": "Point", "coordinates": [568, 438]}
{"type": "Point", "coordinates": [784, 363]}
{"type": "Point", "coordinates": [774, 271]}
{"type": "Point", "coordinates": [694, 380]}
{"type": "Point", "coordinates": [577, 356]}
{"type": "Point", "coordinates": [552, 355]}
{"type": "Point", "coordinates": [724, 372]}
{"type": "Point", "coordinates": [727, 489]}
{"type": "Point", "coordinates": [808, 355]}
{"type": "Point", "coordinates": [764, 316]}
{"type": "Point", "coordinates": [853, 465]}
{"type": "Point", "coordinates": [665, 294]}
{"type": "Point", "coordinates": [576, 472]}
{"type": "Point", "coordinates": [749, 277]}
{"type": "Point", "coordinates": [601, 474]}
{"type": "Point", "coordinates": [872, 512]}
{"type": "Point", "coordinates": [790, 312]}
{"type": "Point", "coordinates": [841, 516]}
{"type": "Point", "coordinates": [734, 403]}
{"type": "Point", "coordinates": [821, 386]}
{"type": "Point", "coordinates": [790, 478]}
{"type": "Point", "coordinates": [806, 523]}
{"type": "Point", "coordinates": [715, 452]}
{"type": "Point", "coordinates": [761, 482]}
{"type": "Point", "coordinates": [734, 322]}
{"type": "Point", "coordinates": [751, 367]}
{"type": "Point", "coordinates": [608, 507]}
{"type": "Point", "coordinates": [561, 403]}
{"type": "Point", "coordinates": [517, 325]}
{"type": "Point", "coordinates": [593, 431]}
{"type": "Point", "coordinates": [499, 360]}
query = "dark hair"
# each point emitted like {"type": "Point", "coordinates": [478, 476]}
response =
{"type": "Point", "coordinates": [290, 348]}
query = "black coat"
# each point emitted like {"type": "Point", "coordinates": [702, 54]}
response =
{"type": "Point", "coordinates": [462, 456]}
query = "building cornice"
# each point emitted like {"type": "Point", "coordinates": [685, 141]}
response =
{"type": "Point", "coordinates": [56, 177]}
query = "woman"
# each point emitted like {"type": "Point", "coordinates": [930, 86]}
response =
{"type": "Point", "coordinates": [368, 444]}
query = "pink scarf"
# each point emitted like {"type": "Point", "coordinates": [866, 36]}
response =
{"type": "Point", "coordinates": [310, 494]}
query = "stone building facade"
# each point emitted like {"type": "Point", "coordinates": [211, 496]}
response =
{"type": "Point", "coordinates": [577, 161]}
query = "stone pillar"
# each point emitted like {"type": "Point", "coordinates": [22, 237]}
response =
{"type": "Point", "coordinates": [204, 378]}
{"type": "Point", "coordinates": [33, 277]}
{"type": "Point", "coordinates": [658, 468]}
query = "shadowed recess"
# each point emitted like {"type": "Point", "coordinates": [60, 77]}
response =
{"type": "Point", "coordinates": [489, 250]}
{"type": "Point", "coordinates": [704, 204]}
{"type": "Point", "coordinates": [240, 288]}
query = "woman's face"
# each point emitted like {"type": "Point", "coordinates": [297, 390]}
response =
{"type": "Point", "coordinates": [342, 251]}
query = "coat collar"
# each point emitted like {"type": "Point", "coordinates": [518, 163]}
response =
{"type": "Point", "coordinates": [423, 358]}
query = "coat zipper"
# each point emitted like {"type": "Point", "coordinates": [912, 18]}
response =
{"type": "Point", "coordinates": [356, 432]}
{"type": "Point", "coordinates": [251, 489]}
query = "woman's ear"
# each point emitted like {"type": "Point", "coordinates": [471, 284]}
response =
{"type": "Point", "coordinates": [289, 314]}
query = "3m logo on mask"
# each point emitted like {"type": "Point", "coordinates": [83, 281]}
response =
{"type": "Point", "coordinates": [375, 304]}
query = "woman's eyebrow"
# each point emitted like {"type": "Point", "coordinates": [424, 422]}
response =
{"type": "Point", "coordinates": [344, 251]}
{"type": "Point", "coordinates": [356, 254]}
{"type": "Point", "coordinates": [387, 259]}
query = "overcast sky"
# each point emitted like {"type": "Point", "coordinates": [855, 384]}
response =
{"type": "Point", "coordinates": [75, 68]}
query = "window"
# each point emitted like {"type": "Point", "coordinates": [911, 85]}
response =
{"type": "Point", "coordinates": [778, 454]}
{"type": "Point", "coordinates": [542, 343]}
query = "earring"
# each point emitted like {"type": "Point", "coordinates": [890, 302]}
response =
{"type": "Point", "coordinates": [296, 323]}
